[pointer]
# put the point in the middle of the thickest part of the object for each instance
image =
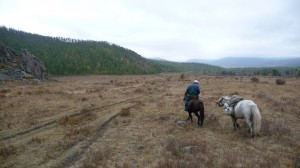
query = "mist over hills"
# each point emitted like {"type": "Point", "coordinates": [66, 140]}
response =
{"type": "Point", "coordinates": [246, 62]}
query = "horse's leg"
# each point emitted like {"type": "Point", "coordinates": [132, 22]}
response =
{"type": "Point", "coordinates": [200, 113]}
{"type": "Point", "coordinates": [198, 116]}
{"type": "Point", "coordinates": [201, 116]}
{"type": "Point", "coordinates": [250, 125]}
{"type": "Point", "coordinates": [190, 117]}
{"type": "Point", "coordinates": [234, 122]}
{"type": "Point", "coordinates": [237, 124]}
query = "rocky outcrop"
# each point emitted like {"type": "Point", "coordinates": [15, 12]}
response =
{"type": "Point", "coordinates": [6, 55]}
{"type": "Point", "coordinates": [26, 67]}
{"type": "Point", "coordinates": [32, 65]}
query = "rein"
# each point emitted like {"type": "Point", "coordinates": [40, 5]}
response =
{"type": "Point", "coordinates": [216, 109]}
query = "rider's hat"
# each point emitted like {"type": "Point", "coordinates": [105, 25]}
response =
{"type": "Point", "coordinates": [195, 81]}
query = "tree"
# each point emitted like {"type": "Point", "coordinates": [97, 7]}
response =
{"type": "Point", "coordinates": [275, 72]}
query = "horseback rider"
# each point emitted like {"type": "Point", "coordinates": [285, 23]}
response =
{"type": "Point", "coordinates": [192, 91]}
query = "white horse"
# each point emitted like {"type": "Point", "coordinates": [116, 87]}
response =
{"type": "Point", "coordinates": [244, 109]}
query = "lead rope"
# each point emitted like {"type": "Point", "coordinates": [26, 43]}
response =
{"type": "Point", "coordinates": [215, 109]}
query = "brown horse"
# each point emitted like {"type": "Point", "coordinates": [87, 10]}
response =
{"type": "Point", "coordinates": [196, 106]}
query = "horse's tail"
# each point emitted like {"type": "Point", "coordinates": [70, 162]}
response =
{"type": "Point", "coordinates": [256, 118]}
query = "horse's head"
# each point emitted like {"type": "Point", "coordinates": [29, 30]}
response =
{"type": "Point", "coordinates": [221, 101]}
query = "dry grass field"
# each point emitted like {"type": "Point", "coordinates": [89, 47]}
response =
{"type": "Point", "coordinates": [129, 121]}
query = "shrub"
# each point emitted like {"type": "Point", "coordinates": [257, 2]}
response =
{"type": "Point", "coordinates": [7, 150]}
{"type": "Point", "coordinates": [36, 140]}
{"type": "Point", "coordinates": [125, 112]}
{"type": "Point", "coordinates": [83, 99]}
{"type": "Point", "coordinates": [255, 79]}
{"type": "Point", "coordinates": [5, 91]}
{"type": "Point", "coordinates": [280, 81]}
{"type": "Point", "coordinates": [182, 77]}
{"type": "Point", "coordinates": [138, 90]}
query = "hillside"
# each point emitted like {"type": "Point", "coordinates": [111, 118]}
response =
{"type": "Point", "coordinates": [190, 67]}
{"type": "Point", "coordinates": [64, 56]}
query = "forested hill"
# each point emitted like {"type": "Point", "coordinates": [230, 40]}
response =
{"type": "Point", "coordinates": [63, 56]}
{"type": "Point", "coordinates": [69, 56]}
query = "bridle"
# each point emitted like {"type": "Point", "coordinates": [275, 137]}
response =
{"type": "Point", "coordinates": [219, 102]}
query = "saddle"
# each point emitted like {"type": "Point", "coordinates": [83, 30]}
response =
{"type": "Point", "coordinates": [234, 100]}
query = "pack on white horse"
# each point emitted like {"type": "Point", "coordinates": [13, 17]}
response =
{"type": "Point", "coordinates": [243, 109]}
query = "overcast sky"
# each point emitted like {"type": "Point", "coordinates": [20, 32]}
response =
{"type": "Point", "coordinates": [176, 30]}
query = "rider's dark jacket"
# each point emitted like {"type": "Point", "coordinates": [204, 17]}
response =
{"type": "Point", "coordinates": [193, 90]}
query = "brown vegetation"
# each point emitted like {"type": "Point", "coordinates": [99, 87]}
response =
{"type": "Point", "coordinates": [129, 121]}
{"type": "Point", "coordinates": [280, 81]}
{"type": "Point", "coordinates": [254, 79]}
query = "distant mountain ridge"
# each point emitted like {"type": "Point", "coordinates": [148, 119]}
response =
{"type": "Point", "coordinates": [246, 62]}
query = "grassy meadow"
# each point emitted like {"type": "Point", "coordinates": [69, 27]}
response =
{"type": "Point", "coordinates": [129, 121]}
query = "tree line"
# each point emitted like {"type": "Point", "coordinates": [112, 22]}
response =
{"type": "Point", "coordinates": [64, 56]}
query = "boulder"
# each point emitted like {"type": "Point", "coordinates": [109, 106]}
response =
{"type": "Point", "coordinates": [32, 65]}
{"type": "Point", "coordinates": [26, 67]}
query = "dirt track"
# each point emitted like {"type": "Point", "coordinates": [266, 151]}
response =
{"type": "Point", "coordinates": [74, 114]}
